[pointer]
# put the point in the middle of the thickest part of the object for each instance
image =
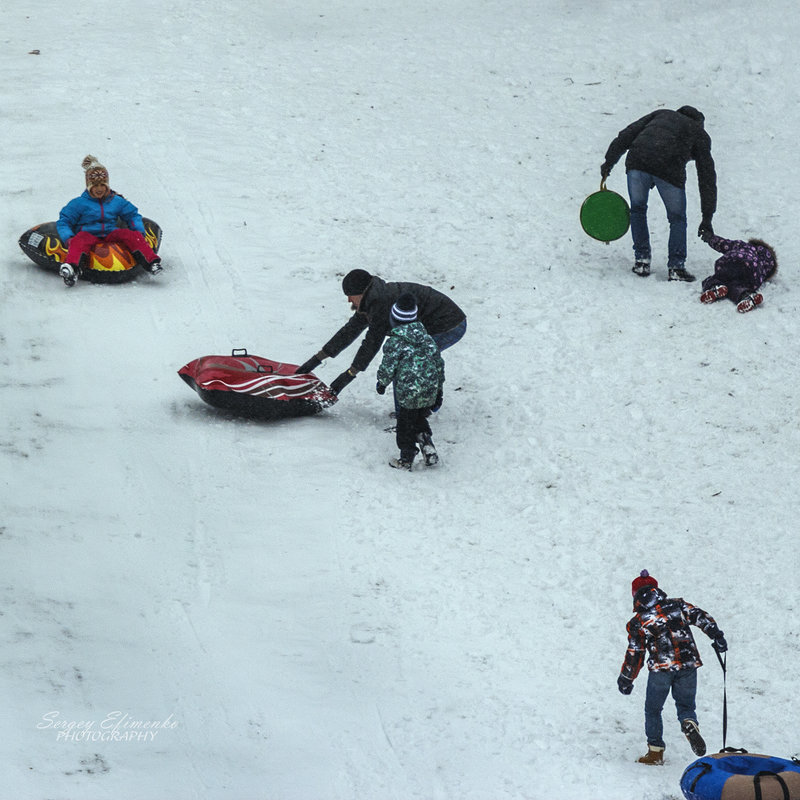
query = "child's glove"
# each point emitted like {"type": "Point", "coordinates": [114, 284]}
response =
{"type": "Point", "coordinates": [719, 643]}
{"type": "Point", "coordinates": [625, 685]}
{"type": "Point", "coordinates": [380, 388]}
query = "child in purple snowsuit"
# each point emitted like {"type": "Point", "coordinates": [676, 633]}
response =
{"type": "Point", "coordinates": [739, 272]}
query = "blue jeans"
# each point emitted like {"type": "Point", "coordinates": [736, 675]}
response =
{"type": "Point", "coordinates": [683, 684]}
{"type": "Point", "coordinates": [674, 198]}
{"type": "Point", "coordinates": [449, 338]}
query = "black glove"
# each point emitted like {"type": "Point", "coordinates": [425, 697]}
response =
{"type": "Point", "coordinates": [605, 170]}
{"type": "Point", "coordinates": [437, 404]}
{"type": "Point", "coordinates": [342, 381]}
{"type": "Point", "coordinates": [719, 643]}
{"type": "Point", "coordinates": [625, 685]}
{"type": "Point", "coordinates": [380, 388]}
{"type": "Point", "coordinates": [705, 231]}
{"type": "Point", "coordinates": [309, 366]}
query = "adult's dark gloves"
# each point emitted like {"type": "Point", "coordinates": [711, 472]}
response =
{"type": "Point", "coordinates": [719, 643]}
{"type": "Point", "coordinates": [380, 388]}
{"type": "Point", "coordinates": [309, 366]}
{"type": "Point", "coordinates": [342, 381]}
{"type": "Point", "coordinates": [705, 231]}
{"type": "Point", "coordinates": [437, 404]}
{"type": "Point", "coordinates": [605, 170]}
{"type": "Point", "coordinates": [624, 684]}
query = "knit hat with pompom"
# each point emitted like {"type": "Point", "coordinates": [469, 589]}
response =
{"type": "Point", "coordinates": [96, 173]}
{"type": "Point", "coordinates": [644, 579]}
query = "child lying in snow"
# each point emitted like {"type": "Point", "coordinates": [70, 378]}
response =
{"type": "Point", "coordinates": [739, 272]}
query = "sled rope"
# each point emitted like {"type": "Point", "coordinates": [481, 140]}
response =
{"type": "Point", "coordinates": [723, 664]}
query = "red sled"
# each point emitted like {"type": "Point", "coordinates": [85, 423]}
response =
{"type": "Point", "coordinates": [256, 387]}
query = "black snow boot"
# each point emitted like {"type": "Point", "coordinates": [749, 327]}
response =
{"type": "Point", "coordinates": [642, 267]}
{"type": "Point", "coordinates": [680, 274]}
{"type": "Point", "coordinates": [692, 732]}
{"type": "Point", "coordinates": [425, 442]}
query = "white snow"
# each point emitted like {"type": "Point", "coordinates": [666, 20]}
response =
{"type": "Point", "coordinates": [302, 621]}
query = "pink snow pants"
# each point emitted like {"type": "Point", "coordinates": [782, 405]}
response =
{"type": "Point", "coordinates": [81, 244]}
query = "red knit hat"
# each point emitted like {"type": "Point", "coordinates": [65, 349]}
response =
{"type": "Point", "coordinates": [644, 579]}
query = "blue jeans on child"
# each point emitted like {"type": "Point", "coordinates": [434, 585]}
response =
{"type": "Point", "coordinates": [674, 198]}
{"type": "Point", "coordinates": [683, 684]}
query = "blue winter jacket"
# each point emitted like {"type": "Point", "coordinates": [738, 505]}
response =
{"type": "Point", "coordinates": [98, 217]}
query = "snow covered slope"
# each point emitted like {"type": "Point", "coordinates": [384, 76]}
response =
{"type": "Point", "coordinates": [289, 617]}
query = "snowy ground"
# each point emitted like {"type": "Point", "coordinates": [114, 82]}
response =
{"type": "Point", "coordinates": [303, 622]}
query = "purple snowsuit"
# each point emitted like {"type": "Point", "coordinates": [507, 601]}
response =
{"type": "Point", "coordinates": [743, 267]}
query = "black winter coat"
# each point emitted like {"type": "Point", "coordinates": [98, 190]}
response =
{"type": "Point", "coordinates": [662, 143]}
{"type": "Point", "coordinates": [436, 311]}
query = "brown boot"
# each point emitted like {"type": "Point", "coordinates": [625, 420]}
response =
{"type": "Point", "coordinates": [654, 755]}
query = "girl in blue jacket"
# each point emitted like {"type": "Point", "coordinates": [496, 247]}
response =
{"type": "Point", "coordinates": [93, 216]}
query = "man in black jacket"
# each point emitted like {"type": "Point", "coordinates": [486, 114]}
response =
{"type": "Point", "coordinates": [371, 298]}
{"type": "Point", "coordinates": [659, 146]}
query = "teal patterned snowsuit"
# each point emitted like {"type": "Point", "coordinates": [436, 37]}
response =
{"type": "Point", "coordinates": [412, 360]}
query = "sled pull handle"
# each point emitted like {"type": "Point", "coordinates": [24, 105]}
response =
{"type": "Point", "coordinates": [241, 352]}
{"type": "Point", "coordinates": [723, 662]}
{"type": "Point", "coordinates": [603, 189]}
{"type": "Point", "coordinates": [781, 781]}
{"type": "Point", "coordinates": [704, 768]}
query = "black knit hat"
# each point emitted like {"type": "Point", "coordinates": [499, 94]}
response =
{"type": "Point", "coordinates": [404, 310]}
{"type": "Point", "coordinates": [356, 282]}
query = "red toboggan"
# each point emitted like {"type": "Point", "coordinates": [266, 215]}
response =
{"type": "Point", "coordinates": [256, 387]}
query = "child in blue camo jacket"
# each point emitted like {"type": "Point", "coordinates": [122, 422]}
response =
{"type": "Point", "coordinates": [412, 361]}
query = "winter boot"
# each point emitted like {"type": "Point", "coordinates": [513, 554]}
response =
{"type": "Point", "coordinates": [713, 294]}
{"type": "Point", "coordinates": [692, 732]}
{"type": "Point", "coordinates": [653, 756]}
{"type": "Point", "coordinates": [400, 463]}
{"type": "Point", "coordinates": [69, 273]}
{"type": "Point", "coordinates": [642, 267]}
{"type": "Point", "coordinates": [154, 267]}
{"type": "Point", "coordinates": [749, 302]}
{"type": "Point", "coordinates": [425, 442]}
{"type": "Point", "coordinates": [680, 274]}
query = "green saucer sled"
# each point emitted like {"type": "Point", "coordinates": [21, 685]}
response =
{"type": "Point", "coordinates": [605, 215]}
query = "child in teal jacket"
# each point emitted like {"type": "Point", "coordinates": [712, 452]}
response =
{"type": "Point", "coordinates": [412, 361]}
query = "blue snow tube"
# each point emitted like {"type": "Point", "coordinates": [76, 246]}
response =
{"type": "Point", "coordinates": [741, 776]}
